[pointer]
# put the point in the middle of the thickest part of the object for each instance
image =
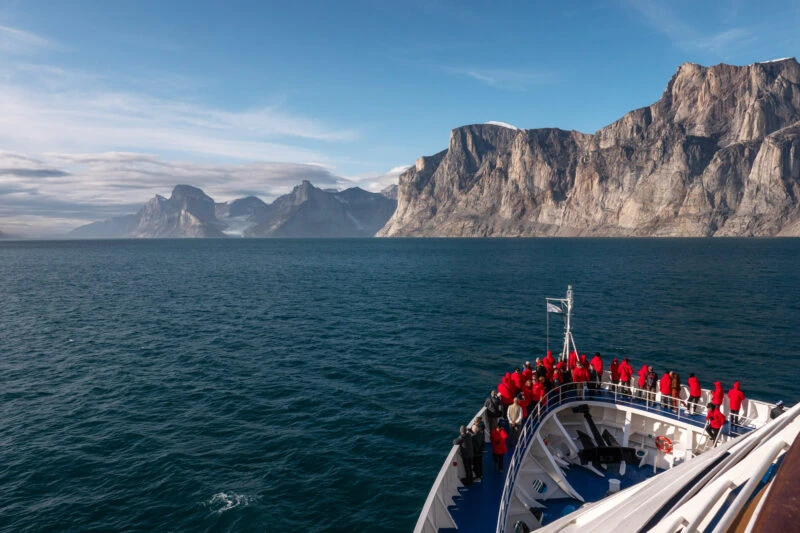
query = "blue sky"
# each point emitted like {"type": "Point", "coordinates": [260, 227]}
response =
{"type": "Point", "coordinates": [107, 103]}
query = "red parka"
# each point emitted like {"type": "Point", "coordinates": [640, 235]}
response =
{"type": "Point", "coordinates": [573, 360]}
{"type": "Point", "coordinates": [597, 364]}
{"type": "Point", "coordinates": [524, 402]}
{"type": "Point", "coordinates": [694, 387]}
{"type": "Point", "coordinates": [498, 437]}
{"type": "Point", "coordinates": [666, 384]}
{"type": "Point", "coordinates": [614, 369]}
{"type": "Point", "coordinates": [527, 375]}
{"type": "Point", "coordinates": [506, 394]}
{"type": "Point", "coordinates": [715, 419]}
{"type": "Point", "coordinates": [735, 397]}
{"type": "Point", "coordinates": [718, 395]}
{"type": "Point", "coordinates": [580, 375]}
{"type": "Point", "coordinates": [625, 372]}
{"type": "Point", "coordinates": [643, 375]}
{"type": "Point", "coordinates": [549, 363]}
{"type": "Point", "coordinates": [538, 391]}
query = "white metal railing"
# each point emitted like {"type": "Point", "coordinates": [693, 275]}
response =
{"type": "Point", "coordinates": [606, 392]}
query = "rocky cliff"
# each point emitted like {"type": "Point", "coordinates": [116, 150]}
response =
{"type": "Point", "coordinates": [717, 154]}
{"type": "Point", "coordinates": [305, 212]}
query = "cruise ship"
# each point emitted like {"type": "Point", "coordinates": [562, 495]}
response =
{"type": "Point", "coordinates": [612, 458]}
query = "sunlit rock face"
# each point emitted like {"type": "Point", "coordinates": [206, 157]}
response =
{"type": "Point", "coordinates": [717, 154]}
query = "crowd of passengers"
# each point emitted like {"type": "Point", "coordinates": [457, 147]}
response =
{"type": "Point", "coordinates": [526, 388]}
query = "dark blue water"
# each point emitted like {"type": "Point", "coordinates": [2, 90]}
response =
{"type": "Point", "coordinates": [275, 385]}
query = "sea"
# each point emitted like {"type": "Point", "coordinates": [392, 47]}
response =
{"type": "Point", "coordinates": [317, 385]}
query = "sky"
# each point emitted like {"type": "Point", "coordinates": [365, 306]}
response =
{"type": "Point", "coordinates": [104, 104]}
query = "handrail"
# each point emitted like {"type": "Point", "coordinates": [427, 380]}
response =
{"type": "Point", "coordinates": [574, 393]}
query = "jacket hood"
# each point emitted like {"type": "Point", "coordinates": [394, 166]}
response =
{"type": "Point", "coordinates": [736, 385]}
{"type": "Point", "coordinates": [718, 384]}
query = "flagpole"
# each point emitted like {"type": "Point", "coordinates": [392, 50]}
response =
{"type": "Point", "coordinates": [547, 312]}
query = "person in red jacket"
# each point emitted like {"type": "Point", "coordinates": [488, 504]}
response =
{"type": "Point", "coordinates": [735, 399]}
{"type": "Point", "coordinates": [499, 447]}
{"type": "Point", "coordinates": [549, 363]}
{"type": "Point", "coordinates": [666, 390]}
{"type": "Point", "coordinates": [523, 401]}
{"type": "Point", "coordinates": [527, 372]}
{"type": "Point", "coordinates": [625, 373]}
{"type": "Point", "coordinates": [695, 391]}
{"type": "Point", "coordinates": [573, 360]}
{"type": "Point", "coordinates": [580, 376]}
{"type": "Point", "coordinates": [597, 365]}
{"type": "Point", "coordinates": [613, 368]}
{"type": "Point", "coordinates": [718, 395]}
{"type": "Point", "coordinates": [506, 396]}
{"type": "Point", "coordinates": [516, 378]}
{"type": "Point", "coordinates": [540, 392]}
{"type": "Point", "coordinates": [714, 421]}
{"type": "Point", "coordinates": [642, 379]}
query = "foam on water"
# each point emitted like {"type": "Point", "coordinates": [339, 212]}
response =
{"type": "Point", "coordinates": [225, 501]}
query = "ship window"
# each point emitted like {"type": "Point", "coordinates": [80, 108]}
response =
{"type": "Point", "coordinates": [539, 486]}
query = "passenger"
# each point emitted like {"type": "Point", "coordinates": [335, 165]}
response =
{"type": "Point", "coordinates": [777, 410]}
{"type": "Point", "coordinates": [540, 372]}
{"type": "Point", "coordinates": [625, 373]}
{"type": "Point", "coordinates": [695, 391]}
{"type": "Point", "coordinates": [549, 363]}
{"type": "Point", "coordinates": [666, 389]}
{"type": "Point", "coordinates": [573, 360]}
{"type": "Point", "coordinates": [524, 401]}
{"type": "Point", "coordinates": [540, 392]}
{"type": "Point", "coordinates": [478, 441]}
{"type": "Point", "coordinates": [641, 382]}
{"type": "Point", "coordinates": [613, 368]}
{"type": "Point", "coordinates": [580, 377]}
{"type": "Point", "coordinates": [735, 399]}
{"type": "Point", "coordinates": [516, 378]}
{"type": "Point", "coordinates": [584, 362]}
{"type": "Point", "coordinates": [650, 381]}
{"type": "Point", "coordinates": [466, 445]}
{"type": "Point", "coordinates": [515, 416]}
{"type": "Point", "coordinates": [499, 447]}
{"type": "Point", "coordinates": [494, 409]}
{"type": "Point", "coordinates": [597, 366]}
{"type": "Point", "coordinates": [506, 395]}
{"type": "Point", "coordinates": [676, 391]}
{"type": "Point", "coordinates": [527, 372]}
{"type": "Point", "coordinates": [557, 383]}
{"type": "Point", "coordinates": [715, 420]}
{"type": "Point", "coordinates": [718, 395]}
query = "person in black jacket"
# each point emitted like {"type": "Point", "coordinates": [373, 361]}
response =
{"type": "Point", "coordinates": [478, 440]}
{"type": "Point", "coordinates": [494, 409]}
{"type": "Point", "coordinates": [466, 443]}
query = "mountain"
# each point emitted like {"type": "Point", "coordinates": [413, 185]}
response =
{"type": "Point", "coordinates": [305, 212]}
{"type": "Point", "coordinates": [718, 154]}
{"type": "Point", "coordinates": [390, 192]}
{"type": "Point", "coordinates": [189, 212]}
{"type": "Point", "coordinates": [311, 212]}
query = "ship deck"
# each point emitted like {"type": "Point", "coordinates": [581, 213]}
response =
{"type": "Point", "coordinates": [477, 505]}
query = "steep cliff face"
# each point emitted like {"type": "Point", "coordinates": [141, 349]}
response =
{"type": "Point", "coordinates": [716, 155]}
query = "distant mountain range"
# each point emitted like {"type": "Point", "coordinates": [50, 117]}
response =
{"type": "Point", "coordinates": [307, 211]}
{"type": "Point", "coordinates": [718, 154]}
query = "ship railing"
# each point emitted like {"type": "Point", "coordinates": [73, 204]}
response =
{"type": "Point", "coordinates": [435, 514]}
{"type": "Point", "coordinates": [626, 395]}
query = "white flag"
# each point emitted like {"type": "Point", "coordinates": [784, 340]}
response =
{"type": "Point", "coordinates": [552, 308]}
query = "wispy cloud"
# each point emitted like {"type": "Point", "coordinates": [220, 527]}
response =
{"type": "Point", "coordinates": [56, 192]}
{"type": "Point", "coordinates": [661, 17]}
{"type": "Point", "coordinates": [515, 79]}
{"type": "Point", "coordinates": [375, 183]}
{"type": "Point", "coordinates": [15, 41]}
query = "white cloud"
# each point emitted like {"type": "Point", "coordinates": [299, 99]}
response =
{"type": "Point", "coordinates": [661, 17]}
{"type": "Point", "coordinates": [373, 183]}
{"type": "Point", "coordinates": [505, 78]}
{"type": "Point", "coordinates": [55, 192]}
{"type": "Point", "coordinates": [14, 41]}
